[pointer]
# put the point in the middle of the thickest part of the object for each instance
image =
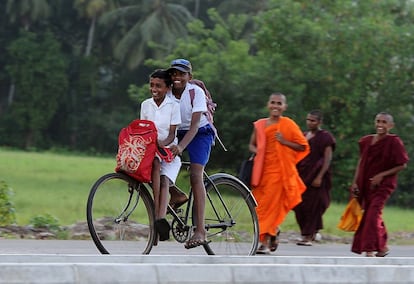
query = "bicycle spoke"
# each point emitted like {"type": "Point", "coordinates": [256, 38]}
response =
{"type": "Point", "coordinates": [120, 216]}
{"type": "Point", "coordinates": [231, 220]}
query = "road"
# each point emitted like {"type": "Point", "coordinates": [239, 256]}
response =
{"type": "Point", "coordinates": [19, 246]}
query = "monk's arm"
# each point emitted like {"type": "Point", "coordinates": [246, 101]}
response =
{"type": "Point", "coordinates": [376, 180]}
{"type": "Point", "coordinates": [354, 186]}
{"type": "Point", "coordinates": [327, 157]}
{"type": "Point", "coordinates": [252, 143]}
{"type": "Point", "coordinates": [295, 146]}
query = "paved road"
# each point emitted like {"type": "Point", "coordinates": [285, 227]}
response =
{"type": "Point", "coordinates": [79, 262]}
{"type": "Point", "coordinates": [171, 248]}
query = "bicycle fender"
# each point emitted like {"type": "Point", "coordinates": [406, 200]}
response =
{"type": "Point", "coordinates": [235, 179]}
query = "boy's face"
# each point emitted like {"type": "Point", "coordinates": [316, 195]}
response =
{"type": "Point", "coordinates": [276, 105]}
{"type": "Point", "coordinates": [383, 124]}
{"type": "Point", "coordinates": [180, 79]}
{"type": "Point", "coordinates": [158, 89]}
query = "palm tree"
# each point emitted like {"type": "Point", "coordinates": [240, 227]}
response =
{"type": "Point", "coordinates": [151, 21]}
{"type": "Point", "coordinates": [92, 9]}
{"type": "Point", "coordinates": [27, 11]}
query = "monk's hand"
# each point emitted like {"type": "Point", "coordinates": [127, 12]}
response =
{"type": "Point", "coordinates": [376, 180]}
{"type": "Point", "coordinates": [317, 182]}
{"type": "Point", "coordinates": [279, 137]}
{"type": "Point", "coordinates": [354, 190]}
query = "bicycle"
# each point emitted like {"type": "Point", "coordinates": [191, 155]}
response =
{"type": "Point", "coordinates": [120, 215]}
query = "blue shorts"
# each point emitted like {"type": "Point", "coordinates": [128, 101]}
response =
{"type": "Point", "coordinates": [200, 147]}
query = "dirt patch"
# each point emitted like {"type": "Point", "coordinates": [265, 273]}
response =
{"type": "Point", "coordinates": [79, 231]}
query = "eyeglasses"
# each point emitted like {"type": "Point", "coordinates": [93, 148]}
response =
{"type": "Point", "coordinates": [180, 62]}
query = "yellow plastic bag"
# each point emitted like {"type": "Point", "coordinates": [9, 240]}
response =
{"type": "Point", "coordinates": [351, 217]}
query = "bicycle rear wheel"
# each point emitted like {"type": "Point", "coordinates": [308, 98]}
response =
{"type": "Point", "coordinates": [230, 217]}
{"type": "Point", "coordinates": [120, 215]}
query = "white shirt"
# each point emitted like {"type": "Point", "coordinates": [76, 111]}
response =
{"type": "Point", "coordinates": [168, 113]}
{"type": "Point", "coordinates": [187, 108]}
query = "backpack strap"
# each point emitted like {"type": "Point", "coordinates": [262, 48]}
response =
{"type": "Point", "coordinates": [192, 95]}
{"type": "Point", "coordinates": [209, 118]}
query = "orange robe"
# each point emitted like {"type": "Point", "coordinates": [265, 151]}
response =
{"type": "Point", "coordinates": [276, 183]}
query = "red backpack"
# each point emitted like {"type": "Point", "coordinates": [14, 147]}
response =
{"type": "Point", "coordinates": [137, 145]}
{"type": "Point", "coordinates": [211, 106]}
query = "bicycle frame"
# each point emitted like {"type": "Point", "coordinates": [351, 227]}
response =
{"type": "Point", "coordinates": [230, 217]}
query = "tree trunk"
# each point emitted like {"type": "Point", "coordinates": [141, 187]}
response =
{"type": "Point", "coordinates": [10, 98]}
{"type": "Point", "coordinates": [29, 139]}
{"type": "Point", "coordinates": [90, 37]}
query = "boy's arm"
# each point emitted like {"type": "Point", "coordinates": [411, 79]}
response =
{"type": "Point", "coordinates": [188, 137]}
{"type": "Point", "coordinates": [170, 138]}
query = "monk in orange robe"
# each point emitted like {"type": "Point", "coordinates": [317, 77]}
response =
{"type": "Point", "coordinates": [279, 145]}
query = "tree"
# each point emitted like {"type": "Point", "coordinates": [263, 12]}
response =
{"type": "Point", "coordinates": [135, 29]}
{"type": "Point", "coordinates": [27, 12]}
{"type": "Point", "coordinates": [345, 58]}
{"type": "Point", "coordinates": [92, 9]}
{"type": "Point", "coordinates": [221, 58]}
{"type": "Point", "coordinates": [38, 68]}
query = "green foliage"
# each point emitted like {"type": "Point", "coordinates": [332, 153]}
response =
{"type": "Point", "coordinates": [132, 28]}
{"type": "Point", "coordinates": [37, 69]}
{"type": "Point", "coordinates": [46, 221]}
{"type": "Point", "coordinates": [349, 59]}
{"type": "Point", "coordinates": [26, 12]}
{"type": "Point", "coordinates": [221, 58]}
{"type": "Point", "coordinates": [56, 184]}
{"type": "Point", "coordinates": [7, 210]}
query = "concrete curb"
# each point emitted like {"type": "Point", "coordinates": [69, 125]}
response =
{"type": "Point", "coordinates": [202, 269]}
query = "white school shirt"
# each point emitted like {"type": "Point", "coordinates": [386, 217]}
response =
{"type": "Point", "coordinates": [187, 108]}
{"type": "Point", "coordinates": [168, 113]}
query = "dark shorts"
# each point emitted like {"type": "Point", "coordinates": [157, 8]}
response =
{"type": "Point", "coordinates": [200, 147]}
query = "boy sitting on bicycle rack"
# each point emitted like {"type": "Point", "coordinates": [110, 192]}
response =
{"type": "Point", "coordinates": [196, 136]}
{"type": "Point", "coordinates": [165, 113]}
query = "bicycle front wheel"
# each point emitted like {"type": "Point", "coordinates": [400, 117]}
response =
{"type": "Point", "coordinates": [230, 217]}
{"type": "Point", "coordinates": [120, 215]}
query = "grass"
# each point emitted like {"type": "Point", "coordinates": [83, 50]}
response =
{"type": "Point", "coordinates": [397, 221]}
{"type": "Point", "coordinates": [57, 184]}
{"type": "Point", "coordinates": [47, 183]}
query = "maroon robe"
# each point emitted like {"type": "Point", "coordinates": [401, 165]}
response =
{"type": "Point", "coordinates": [315, 200]}
{"type": "Point", "coordinates": [385, 154]}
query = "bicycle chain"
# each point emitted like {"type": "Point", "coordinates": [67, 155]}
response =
{"type": "Point", "coordinates": [179, 232]}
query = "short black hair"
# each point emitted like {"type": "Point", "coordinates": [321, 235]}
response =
{"type": "Point", "coordinates": [163, 75]}
{"type": "Point", "coordinates": [317, 113]}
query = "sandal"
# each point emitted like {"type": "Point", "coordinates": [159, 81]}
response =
{"type": "Point", "coordinates": [305, 243]}
{"type": "Point", "coordinates": [306, 240]}
{"type": "Point", "coordinates": [263, 250]}
{"type": "Point", "coordinates": [383, 253]}
{"type": "Point", "coordinates": [369, 254]}
{"type": "Point", "coordinates": [274, 241]}
{"type": "Point", "coordinates": [193, 243]}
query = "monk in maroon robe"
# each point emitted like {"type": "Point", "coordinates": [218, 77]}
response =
{"type": "Point", "coordinates": [315, 172]}
{"type": "Point", "coordinates": [382, 156]}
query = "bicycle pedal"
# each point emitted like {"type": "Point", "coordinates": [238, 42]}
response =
{"type": "Point", "coordinates": [179, 211]}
